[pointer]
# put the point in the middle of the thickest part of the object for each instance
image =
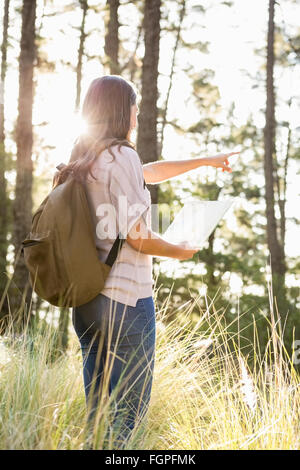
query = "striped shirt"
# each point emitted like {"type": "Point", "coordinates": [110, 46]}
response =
{"type": "Point", "coordinates": [118, 199]}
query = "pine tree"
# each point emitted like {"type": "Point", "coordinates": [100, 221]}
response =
{"type": "Point", "coordinates": [84, 8]}
{"type": "Point", "coordinates": [24, 136]}
{"type": "Point", "coordinates": [3, 195]}
{"type": "Point", "coordinates": [147, 118]}
{"type": "Point", "coordinates": [111, 46]}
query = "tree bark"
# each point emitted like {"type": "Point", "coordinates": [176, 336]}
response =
{"type": "Point", "coordinates": [282, 185]}
{"type": "Point", "coordinates": [63, 331]}
{"type": "Point", "coordinates": [164, 117]}
{"type": "Point", "coordinates": [84, 7]}
{"type": "Point", "coordinates": [276, 251]}
{"type": "Point", "coordinates": [111, 47]}
{"type": "Point", "coordinates": [3, 195]}
{"type": "Point", "coordinates": [147, 145]}
{"type": "Point", "coordinates": [24, 136]}
{"type": "Point", "coordinates": [64, 314]}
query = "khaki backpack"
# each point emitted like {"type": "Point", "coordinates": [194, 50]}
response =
{"type": "Point", "coordinates": [60, 251]}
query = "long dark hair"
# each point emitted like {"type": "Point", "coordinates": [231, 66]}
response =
{"type": "Point", "coordinates": [106, 111]}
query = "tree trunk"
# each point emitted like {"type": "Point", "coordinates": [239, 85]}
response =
{"type": "Point", "coordinates": [210, 264]}
{"type": "Point", "coordinates": [282, 186]}
{"type": "Point", "coordinates": [64, 314]}
{"type": "Point", "coordinates": [277, 255]}
{"type": "Point", "coordinates": [24, 136]}
{"type": "Point", "coordinates": [111, 46]}
{"type": "Point", "coordinates": [3, 196]}
{"type": "Point", "coordinates": [147, 145]}
{"type": "Point", "coordinates": [165, 110]}
{"type": "Point", "coordinates": [63, 331]}
{"type": "Point", "coordinates": [84, 7]}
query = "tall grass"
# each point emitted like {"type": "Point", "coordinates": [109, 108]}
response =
{"type": "Point", "coordinates": [205, 395]}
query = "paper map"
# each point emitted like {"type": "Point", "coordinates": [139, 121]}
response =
{"type": "Point", "coordinates": [196, 221]}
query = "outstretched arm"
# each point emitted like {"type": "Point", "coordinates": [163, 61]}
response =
{"type": "Point", "coordinates": [160, 171]}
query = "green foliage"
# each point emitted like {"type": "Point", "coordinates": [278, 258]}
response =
{"type": "Point", "coordinates": [244, 251]}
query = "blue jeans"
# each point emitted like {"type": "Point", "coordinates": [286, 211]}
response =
{"type": "Point", "coordinates": [118, 349]}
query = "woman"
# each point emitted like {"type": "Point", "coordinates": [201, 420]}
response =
{"type": "Point", "coordinates": [116, 329]}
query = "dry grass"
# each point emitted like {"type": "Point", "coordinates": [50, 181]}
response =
{"type": "Point", "coordinates": [204, 394]}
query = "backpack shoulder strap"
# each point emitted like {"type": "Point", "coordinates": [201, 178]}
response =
{"type": "Point", "coordinates": [114, 251]}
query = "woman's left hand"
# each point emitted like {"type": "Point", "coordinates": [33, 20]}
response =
{"type": "Point", "coordinates": [221, 161]}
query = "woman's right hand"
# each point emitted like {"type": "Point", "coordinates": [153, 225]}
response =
{"type": "Point", "coordinates": [153, 244]}
{"type": "Point", "coordinates": [186, 251]}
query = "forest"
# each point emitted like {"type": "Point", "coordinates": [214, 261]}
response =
{"type": "Point", "coordinates": [213, 77]}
